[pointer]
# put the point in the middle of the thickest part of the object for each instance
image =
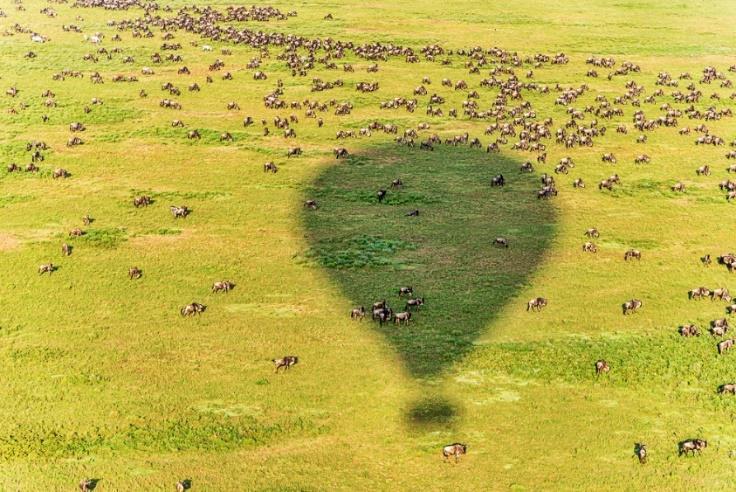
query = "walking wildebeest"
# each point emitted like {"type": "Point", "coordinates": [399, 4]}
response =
{"type": "Point", "coordinates": [397, 183]}
{"type": "Point", "coordinates": [270, 167]}
{"type": "Point", "coordinates": [501, 241]}
{"type": "Point", "coordinates": [419, 301]}
{"type": "Point", "coordinates": [498, 180]}
{"type": "Point", "coordinates": [631, 254]}
{"type": "Point", "coordinates": [381, 195]}
{"type": "Point", "coordinates": [706, 260]}
{"type": "Point", "coordinates": [592, 232]}
{"type": "Point", "coordinates": [404, 317]}
{"type": "Point", "coordinates": [192, 309]}
{"type": "Point", "coordinates": [358, 313]}
{"type": "Point", "coordinates": [601, 366]}
{"type": "Point", "coordinates": [293, 152]}
{"type": "Point", "coordinates": [223, 286]}
{"type": "Point", "coordinates": [286, 362]}
{"type": "Point", "coordinates": [720, 293]}
{"type": "Point", "coordinates": [46, 268]}
{"type": "Point", "coordinates": [691, 446]}
{"type": "Point", "coordinates": [631, 306]}
{"type": "Point", "coordinates": [142, 201]}
{"type": "Point", "coordinates": [536, 304]}
{"type": "Point", "coordinates": [135, 273]}
{"type": "Point", "coordinates": [640, 450]}
{"type": "Point", "coordinates": [66, 250]}
{"type": "Point", "coordinates": [699, 293]}
{"type": "Point", "coordinates": [456, 449]}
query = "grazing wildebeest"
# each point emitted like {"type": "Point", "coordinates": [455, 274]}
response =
{"type": "Point", "coordinates": [640, 450]}
{"type": "Point", "coordinates": [725, 345]}
{"type": "Point", "coordinates": [720, 293]}
{"type": "Point", "coordinates": [180, 211]}
{"type": "Point", "coordinates": [406, 291]}
{"type": "Point", "coordinates": [183, 485]}
{"type": "Point", "coordinates": [77, 127]}
{"type": "Point", "coordinates": [589, 247]}
{"type": "Point", "coordinates": [194, 135]}
{"type": "Point", "coordinates": [501, 241]}
{"type": "Point", "coordinates": [456, 449]}
{"type": "Point", "coordinates": [142, 201]}
{"type": "Point", "coordinates": [87, 220]}
{"type": "Point", "coordinates": [578, 183]}
{"type": "Point", "coordinates": [631, 306]}
{"type": "Point", "coordinates": [498, 180]}
{"type": "Point", "coordinates": [691, 446]}
{"type": "Point", "coordinates": [88, 484]}
{"type": "Point", "coordinates": [699, 293]}
{"type": "Point", "coordinates": [411, 303]}
{"type": "Point", "coordinates": [404, 317]}
{"type": "Point", "coordinates": [66, 250]}
{"type": "Point", "coordinates": [357, 313]}
{"type": "Point", "coordinates": [293, 152]}
{"type": "Point", "coordinates": [397, 183]}
{"type": "Point", "coordinates": [383, 315]}
{"type": "Point", "coordinates": [286, 362]}
{"type": "Point", "coordinates": [706, 260]}
{"type": "Point", "coordinates": [678, 187]}
{"type": "Point", "coordinates": [60, 173]}
{"type": "Point", "coordinates": [592, 232]}
{"type": "Point", "coordinates": [340, 152]}
{"type": "Point", "coordinates": [270, 167]}
{"type": "Point", "coordinates": [631, 254]}
{"type": "Point", "coordinates": [731, 309]}
{"type": "Point", "coordinates": [727, 388]}
{"type": "Point", "coordinates": [46, 268]}
{"type": "Point", "coordinates": [381, 195]}
{"type": "Point", "coordinates": [703, 170]}
{"type": "Point", "coordinates": [135, 273]}
{"type": "Point", "coordinates": [689, 331]}
{"type": "Point", "coordinates": [413, 213]}
{"type": "Point", "coordinates": [223, 286]}
{"type": "Point", "coordinates": [536, 304]}
{"type": "Point", "coordinates": [192, 309]}
{"type": "Point", "coordinates": [601, 366]}
{"type": "Point", "coordinates": [76, 232]}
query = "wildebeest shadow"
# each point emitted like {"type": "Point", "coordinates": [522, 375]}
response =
{"type": "Point", "coordinates": [446, 253]}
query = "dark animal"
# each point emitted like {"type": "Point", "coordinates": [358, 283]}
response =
{"type": "Point", "coordinates": [286, 362]}
{"type": "Point", "coordinates": [456, 449]}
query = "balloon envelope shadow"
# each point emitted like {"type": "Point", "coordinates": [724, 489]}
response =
{"type": "Point", "coordinates": [371, 247]}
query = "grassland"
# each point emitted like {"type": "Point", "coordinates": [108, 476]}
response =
{"type": "Point", "coordinates": [102, 378]}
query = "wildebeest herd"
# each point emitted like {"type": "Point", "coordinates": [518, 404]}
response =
{"type": "Point", "coordinates": [510, 120]}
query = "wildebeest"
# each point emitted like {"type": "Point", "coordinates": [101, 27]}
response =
{"type": "Point", "coordinates": [270, 167]}
{"type": "Point", "coordinates": [725, 345]}
{"type": "Point", "coordinates": [397, 183]}
{"type": "Point", "coordinates": [413, 213]}
{"type": "Point", "coordinates": [223, 286]}
{"type": "Point", "coordinates": [404, 317]}
{"type": "Point", "coordinates": [631, 254]}
{"type": "Point", "coordinates": [88, 484]}
{"type": "Point", "coordinates": [77, 127]}
{"type": "Point", "coordinates": [194, 135]}
{"type": "Point", "coordinates": [720, 293]}
{"type": "Point", "coordinates": [536, 304]}
{"type": "Point", "coordinates": [60, 173]}
{"type": "Point", "coordinates": [293, 152]}
{"type": "Point", "coordinates": [66, 250]}
{"type": "Point", "coordinates": [689, 331]}
{"type": "Point", "coordinates": [727, 388]}
{"type": "Point", "coordinates": [381, 195]}
{"type": "Point", "coordinates": [411, 303]}
{"type": "Point", "coordinates": [498, 180]}
{"type": "Point", "coordinates": [142, 201]}
{"type": "Point", "coordinates": [456, 449]}
{"type": "Point", "coordinates": [311, 204]}
{"type": "Point", "coordinates": [192, 309]}
{"type": "Point", "coordinates": [501, 241]}
{"type": "Point", "coordinates": [358, 313]}
{"type": "Point", "coordinates": [183, 485]}
{"type": "Point", "coordinates": [46, 268]}
{"type": "Point", "coordinates": [699, 293]}
{"type": "Point", "coordinates": [601, 366]}
{"type": "Point", "coordinates": [631, 306]}
{"type": "Point", "coordinates": [287, 362]}
{"type": "Point", "coordinates": [180, 211]}
{"type": "Point", "coordinates": [592, 232]}
{"type": "Point", "coordinates": [406, 291]}
{"type": "Point", "coordinates": [640, 450]}
{"type": "Point", "coordinates": [589, 247]}
{"type": "Point", "coordinates": [691, 446]}
{"type": "Point", "coordinates": [135, 273]}
{"type": "Point", "coordinates": [340, 152]}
